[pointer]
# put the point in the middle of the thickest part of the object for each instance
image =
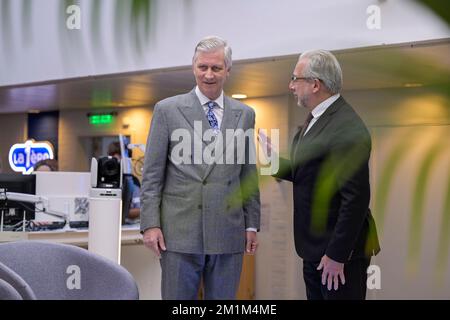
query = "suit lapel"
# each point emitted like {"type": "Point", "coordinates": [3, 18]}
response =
{"type": "Point", "coordinates": [295, 144]}
{"type": "Point", "coordinates": [231, 117]}
{"type": "Point", "coordinates": [324, 119]}
{"type": "Point", "coordinates": [317, 127]}
{"type": "Point", "coordinates": [193, 111]}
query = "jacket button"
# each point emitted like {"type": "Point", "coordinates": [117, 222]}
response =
{"type": "Point", "coordinates": [204, 183]}
{"type": "Point", "coordinates": [229, 182]}
{"type": "Point", "coordinates": [200, 206]}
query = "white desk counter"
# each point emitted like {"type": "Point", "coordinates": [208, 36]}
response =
{"type": "Point", "coordinates": [79, 237]}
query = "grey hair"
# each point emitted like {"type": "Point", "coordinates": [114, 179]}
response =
{"type": "Point", "coordinates": [323, 65]}
{"type": "Point", "coordinates": [213, 43]}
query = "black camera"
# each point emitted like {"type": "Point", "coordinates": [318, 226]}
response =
{"type": "Point", "coordinates": [106, 172]}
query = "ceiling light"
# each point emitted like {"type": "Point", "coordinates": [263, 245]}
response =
{"type": "Point", "coordinates": [239, 96]}
{"type": "Point", "coordinates": [34, 111]}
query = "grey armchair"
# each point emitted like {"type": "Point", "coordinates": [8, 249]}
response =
{"type": "Point", "coordinates": [7, 291]}
{"type": "Point", "coordinates": [45, 270]}
{"type": "Point", "coordinates": [12, 286]}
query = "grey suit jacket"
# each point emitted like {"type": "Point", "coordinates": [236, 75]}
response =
{"type": "Point", "coordinates": [200, 208]}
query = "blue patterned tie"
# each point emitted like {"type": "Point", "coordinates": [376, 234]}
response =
{"type": "Point", "coordinates": [212, 117]}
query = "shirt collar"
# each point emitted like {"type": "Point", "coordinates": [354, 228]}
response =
{"type": "Point", "coordinates": [323, 106]}
{"type": "Point", "coordinates": [204, 99]}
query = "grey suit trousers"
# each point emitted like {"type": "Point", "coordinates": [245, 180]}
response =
{"type": "Point", "coordinates": [182, 272]}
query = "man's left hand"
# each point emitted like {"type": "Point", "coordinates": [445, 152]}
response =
{"type": "Point", "coordinates": [251, 242]}
{"type": "Point", "coordinates": [332, 271]}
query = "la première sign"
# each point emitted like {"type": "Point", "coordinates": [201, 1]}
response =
{"type": "Point", "coordinates": [23, 156]}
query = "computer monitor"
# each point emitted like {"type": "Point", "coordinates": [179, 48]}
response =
{"type": "Point", "coordinates": [13, 210]}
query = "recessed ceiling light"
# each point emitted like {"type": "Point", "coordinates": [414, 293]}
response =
{"type": "Point", "coordinates": [239, 96]}
{"type": "Point", "coordinates": [413, 85]}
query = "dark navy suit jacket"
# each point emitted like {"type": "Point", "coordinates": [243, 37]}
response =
{"type": "Point", "coordinates": [330, 174]}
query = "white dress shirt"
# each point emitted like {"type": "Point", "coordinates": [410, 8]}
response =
{"type": "Point", "coordinates": [218, 111]}
{"type": "Point", "coordinates": [320, 109]}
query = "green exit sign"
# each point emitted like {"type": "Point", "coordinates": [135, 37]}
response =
{"type": "Point", "coordinates": [105, 118]}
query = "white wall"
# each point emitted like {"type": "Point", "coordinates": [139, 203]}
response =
{"type": "Point", "coordinates": [277, 269]}
{"type": "Point", "coordinates": [406, 126]}
{"type": "Point", "coordinates": [40, 47]}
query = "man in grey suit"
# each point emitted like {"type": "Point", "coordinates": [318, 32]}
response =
{"type": "Point", "coordinates": [200, 216]}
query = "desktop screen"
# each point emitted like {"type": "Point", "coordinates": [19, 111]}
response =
{"type": "Point", "coordinates": [12, 210]}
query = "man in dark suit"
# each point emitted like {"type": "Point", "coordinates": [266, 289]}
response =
{"type": "Point", "coordinates": [333, 228]}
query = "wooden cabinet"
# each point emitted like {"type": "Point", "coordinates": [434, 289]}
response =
{"type": "Point", "coordinates": [247, 284]}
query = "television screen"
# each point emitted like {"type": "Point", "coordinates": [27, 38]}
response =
{"type": "Point", "coordinates": [13, 211]}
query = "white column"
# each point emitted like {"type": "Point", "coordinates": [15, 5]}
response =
{"type": "Point", "coordinates": [105, 223]}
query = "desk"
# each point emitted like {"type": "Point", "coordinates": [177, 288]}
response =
{"type": "Point", "coordinates": [130, 236]}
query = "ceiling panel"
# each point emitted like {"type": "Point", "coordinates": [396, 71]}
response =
{"type": "Point", "coordinates": [425, 63]}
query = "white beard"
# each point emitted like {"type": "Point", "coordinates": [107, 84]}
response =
{"type": "Point", "coordinates": [302, 101]}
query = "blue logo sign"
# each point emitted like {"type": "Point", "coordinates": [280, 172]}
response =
{"type": "Point", "coordinates": [23, 156]}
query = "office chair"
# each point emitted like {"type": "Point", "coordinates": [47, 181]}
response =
{"type": "Point", "coordinates": [11, 284]}
{"type": "Point", "coordinates": [7, 292]}
{"type": "Point", "coordinates": [56, 271]}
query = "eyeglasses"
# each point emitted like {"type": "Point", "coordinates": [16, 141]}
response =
{"type": "Point", "coordinates": [295, 78]}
